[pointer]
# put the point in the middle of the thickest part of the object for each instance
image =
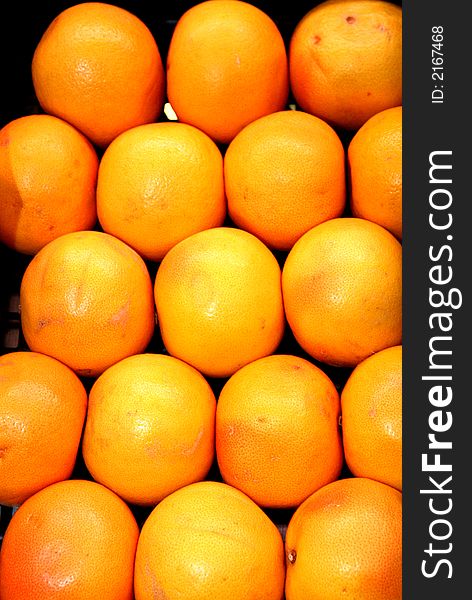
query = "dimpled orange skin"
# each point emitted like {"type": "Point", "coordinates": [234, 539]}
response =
{"type": "Point", "coordinates": [42, 412]}
{"type": "Point", "coordinates": [375, 170]}
{"type": "Point", "coordinates": [284, 173]}
{"type": "Point", "coordinates": [86, 299]}
{"type": "Point", "coordinates": [345, 541]}
{"type": "Point", "coordinates": [219, 300]}
{"type": "Point", "coordinates": [372, 418]}
{"type": "Point", "coordinates": [158, 184]}
{"type": "Point", "coordinates": [98, 67]}
{"type": "Point", "coordinates": [150, 427]}
{"type": "Point", "coordinates": [277, 431]}
{"type": "Point", "coordinates": [227, 66]}
{"type": "Point", "coordinates": [48, 172]}
{"type": "Point", "coordinates": [209, 540]}
{"type": "Point", "coordinates": [346, 60]}
{"type": "Point", "coordinates": [73, 539]}
{"type": "Point", "coordinates": [342, 289]}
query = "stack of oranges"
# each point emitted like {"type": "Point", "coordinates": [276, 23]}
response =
{"type": "Point", "coordinates": [208, 404]}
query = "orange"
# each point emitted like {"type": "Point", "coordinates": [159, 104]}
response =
{"type": "Point", "coordinates": [158, 184]}
{"type": "Point", "coordinates": [226, 66]}
{"type": "Point", "coordinates": [150, 427]}
{"type": "Point", "coordinates": [48, 172]}
{"type": "Point", "coordinates": [342, 289]}
{"type": "Point", "coordinates": [346, 60]}
{"type": "Point", "coordinates": [219, 300]}
{"type": "Point", "coordinates": [375, 168]}
{"type": "Point", "coordinates": [284, 173]}
{"type": "Point", "coordinates": [73, 539]}
{"type": "Point", "coordinates": [345, 541]}
{"type": "Point", "coordinates": [42, 412]}
{"type": "Point", "coordinates": [372, 418]}
{"type": "Point", "coordinates": [98, 67]}
{"type": "Point", "coordinates": [209, 540]}
{"type": "Point", "coordinates": [277, 430]}
{"type": "Point", "coordinates": [86, 299]}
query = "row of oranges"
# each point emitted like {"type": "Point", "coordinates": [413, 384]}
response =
{"type": "Point", "coordinates": [206, 540]}
{"type": "Point", "coordinates": [226, 65]}
{"type": "Point", "coordinates": [151, 421]}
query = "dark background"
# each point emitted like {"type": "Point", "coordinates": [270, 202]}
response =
{"type": "Point", "coordinates": [427, 127]}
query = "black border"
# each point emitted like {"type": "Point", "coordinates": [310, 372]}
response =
{"type": "Point", "coordinates": [429, 127]}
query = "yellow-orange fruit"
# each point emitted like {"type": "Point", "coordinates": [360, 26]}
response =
{"type": "Point", "coordinates": [284, 173]}
{"type": "Point", "coordinates": [371, 403]}
{"type": "Point", "coordinates": [73, 539]}
{"type": "Point", "coordinates": [226, 66]}
{"type": "Point", "coordinates": [277, 430]}
{"type": "Point", "coordinates": [342, 290]}
{"type": "Point", "coordinates": [209, 540]}
{"type": "Point", "coordinates": [219, 300]}
{"type": "Point", "coordinates": [98, 67]}
{"type": "Point", "coordinates": [86, 299]}
{"type": "Point", "coordinates": [346, 60]}
{"type": "Point", "coordinates": [345, 541]}
{"type": "Point", "coordinates": [158, 184]}
{"type": "Point", "coordinates": [150, 427]}
{"type": "Point", "coordinates": [42, 412]}
{"type": "Point", "coordinates": [375, 169]}
{"type": "Point", "coordinates": [48, 172]}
